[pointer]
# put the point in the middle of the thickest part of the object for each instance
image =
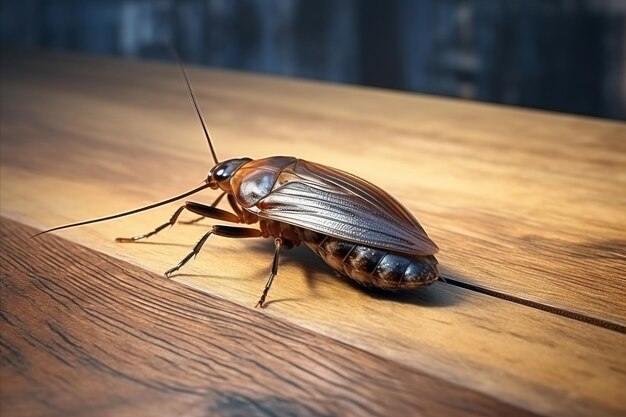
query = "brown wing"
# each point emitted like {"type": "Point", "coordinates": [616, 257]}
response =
{"type": "Point", "coordinates": [333, 202]}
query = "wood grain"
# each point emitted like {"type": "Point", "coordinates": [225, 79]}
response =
{"type": "Point", "coordinates": [85, 334]}
{"type": "Point", "coordinates": [523, 203]}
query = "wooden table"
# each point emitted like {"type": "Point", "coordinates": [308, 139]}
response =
{"type": "Point", "coordinates": [528, 208]}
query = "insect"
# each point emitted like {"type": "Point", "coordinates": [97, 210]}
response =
{"type": "Point", "coordinates": [358, 229]}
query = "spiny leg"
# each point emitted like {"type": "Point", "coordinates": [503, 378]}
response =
{"type": "Point", "coordinates": [202, 209]}
{"type": "Point", "coordinates": [197, 219]}
{"type": "Point", "coordinates": [193, 253]}
{"type": "Point", "coordinates": [169, 223]}
{"type": "Point", "coordinates": [212, 212]}
{"type": "Point", "coordinates": [278, 242]}
{"type": "Point", "coordinates": [218, 230]}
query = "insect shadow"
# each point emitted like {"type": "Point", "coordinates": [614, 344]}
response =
{"type": "Point", "coordinates": [172, 244]}
{"type": "Point", "coordinates": [310, 265]}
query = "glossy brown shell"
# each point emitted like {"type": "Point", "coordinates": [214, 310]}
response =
{"type": "Point", "coordinates": [329, 201]}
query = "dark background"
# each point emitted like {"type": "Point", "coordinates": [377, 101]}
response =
{"type": "Point", "coordinates": [562, 55]}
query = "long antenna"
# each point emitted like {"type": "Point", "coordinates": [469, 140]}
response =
{"type": "Point", "coordinates": [126, 213]}
{"type": "Point", "coordinates": [195, 105]}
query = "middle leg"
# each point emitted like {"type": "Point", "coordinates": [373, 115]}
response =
{"type": "Point", "coordinates": [225, 231]}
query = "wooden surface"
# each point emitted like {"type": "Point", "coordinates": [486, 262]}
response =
{"type": "Point", "coordinates": [142, 345]}
{"type": "Point", "coordinates": [525, 205]}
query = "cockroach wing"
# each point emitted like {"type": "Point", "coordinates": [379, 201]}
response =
{"type": "Point", "coordinates": [335, 203]}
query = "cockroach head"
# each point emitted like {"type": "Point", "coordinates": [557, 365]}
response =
{"type": "Point", "coordinates": [220, 174]}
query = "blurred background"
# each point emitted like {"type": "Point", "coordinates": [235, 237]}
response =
{"type": "Point", "coordinates": [561, 55]}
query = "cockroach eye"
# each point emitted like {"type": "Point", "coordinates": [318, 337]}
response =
{"type": "Point", "coordinates": [226, 169]}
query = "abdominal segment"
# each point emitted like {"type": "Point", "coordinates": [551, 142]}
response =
{"type": "Point", "coordinates": [372, 266]}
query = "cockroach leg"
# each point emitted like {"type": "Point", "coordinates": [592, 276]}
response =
{"type": "Point", "coordinates": [218, 230]}
{"type": "Point", "coordinates": [236, 232]}
{"type": "Point", "coordinates": [235, 206]}
{"type": "Point", "coordinates": [170, 223]}
{"type": "Point", "coordinates": [203, 210]}
{"type": "Point", "coordinates": [212, 212]}
{"type": "Point", "coordinates": [197, 219]}
{"type": "Point", "coordinates": [278, 242]}
{"type": "Point", "coordinates": [192, 221]}
{"type": "Point", "coordinates": [193, 253]}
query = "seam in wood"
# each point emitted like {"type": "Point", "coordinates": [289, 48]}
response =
{"type": "Point", "coordinates": [605, 324]}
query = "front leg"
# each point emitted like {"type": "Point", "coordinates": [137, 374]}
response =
{"type": "Point", "coordinates": [198, 208]}
{"type": "Point", "coordinates": [197, 219]}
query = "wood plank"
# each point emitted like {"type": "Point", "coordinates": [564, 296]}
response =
{"type": "Point", "coordinates": [85, 334]}
{"type": "Point", "coordinates": [521, 202]}
{"type": "Point", "coordinates": [87, 136]}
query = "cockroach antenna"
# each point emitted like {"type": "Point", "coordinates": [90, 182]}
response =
{"type": "Point", "coordinates": [169, 200]}
{"type": "Point", "coordinates": [127, 213]}
{"type": "Point", "coordinates": [195, 103]}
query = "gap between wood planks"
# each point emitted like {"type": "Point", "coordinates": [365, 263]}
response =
{"type": "Point", "coordinates": [605, 324]}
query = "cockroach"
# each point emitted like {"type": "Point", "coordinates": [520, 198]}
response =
{"type": "Point", "coordinates": [358, 229]}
